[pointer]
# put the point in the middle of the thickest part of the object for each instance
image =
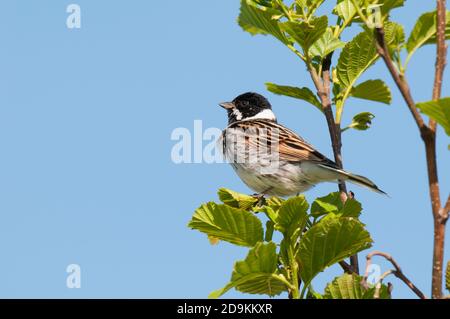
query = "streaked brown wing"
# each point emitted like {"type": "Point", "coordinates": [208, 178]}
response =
{"type": "Point", "coordinates": [291, 148]}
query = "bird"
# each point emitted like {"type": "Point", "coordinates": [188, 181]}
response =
{"type": "Point", "coordinates": [270, 158]}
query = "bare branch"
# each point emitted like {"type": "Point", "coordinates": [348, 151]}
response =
{"type": "Point", "coordinates": [441, 54]}
{"type": "Point", "coordinates": [346, 267]}
{"type": "Point", "coordinates": [445, 211]}
{"type": "Point", "coordinates": [397, 272]}
{"type": "Point", "coordinates": [378, 285]}
{"type": "Point", "coordinates": [428, 134]}
{"type": "Point", "coordinates": [401, 83]}
{"type": "Point", "coordinates": [430, 147]}
{"type": "Point", "coordinates": [322, 82]}
{"type": "Point", "coordinates": [335, 133]}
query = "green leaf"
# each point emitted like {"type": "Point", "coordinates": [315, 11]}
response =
{"type": "Point", "coordinates": [361, 121]}
{"type": "Point", "coordinates": [447, 277]}
{"type": "Point", "coordinates": [439, 111]}
{"type": "Point", "coordinates": [295, 92]}
{"type": "Point", "coordinates": [255, 20]}
{"type": "Point", "coordinates": [235, 199]}
{"type": "Point", "coordinates": [373, 90]}
{"type": "Point", "coordinates": [351, 208]}
{"type": "Point", "coordinates": [433, 39]}
{"type": "Point", "coordinates": [308, 7]}
{"type": "Point", "coordinates": [257, 274]}
{"type": "Point", "coordinates": [271, 207]}
{"type": "Point", "coordinates": [332, 204]}
{"type": "Point", "coordinates": [328, 242]}
{"type": "Point", "coordinates": [388, 5]}
{"type": "Point", "coordinates": [275, 202]}
{"type": "Point", "coordinates": [394, 35]}
{"type": "Point", "coordinates": [325, 205]}
{"type": "Point", "coordinates": [424, 32]}
{"type": "Point", "coordinates": [226, 223]}
{"type": "Point", "coordinates": [292, 216]}
{"type": "Point", "coordinates": [346, 10]}
{"type": "Point", "coordinates": [326, 44]}
{"type": "Point", "coordinates": [356, 57]}
{"type": "Point", "coordinates": [306, 33]}
{"type": "Point", "coordinates": [349, 287]}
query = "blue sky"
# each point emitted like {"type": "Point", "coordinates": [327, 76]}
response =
{"type": "Point", "coordinates": [86, 175]}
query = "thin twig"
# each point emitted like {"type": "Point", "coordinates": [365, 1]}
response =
{"type": "Point", "coordinates": [397, 272]}
{"type": "Point", "coordinates": [346, 267]}
{"type": "Point", "coordinates": [379, 284]}
{"type": "Point", "coordinates": [445, 211]}
{"type": "Point", "coordinates": [322, 82]}
{"type": "Point", "coordinates": [400, 81]}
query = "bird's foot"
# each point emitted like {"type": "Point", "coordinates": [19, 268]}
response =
{"type": "Point", "coordinates": [260, 199]}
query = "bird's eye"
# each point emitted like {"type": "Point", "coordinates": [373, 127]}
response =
{"type": "Point", "coordinates": [245, 103]}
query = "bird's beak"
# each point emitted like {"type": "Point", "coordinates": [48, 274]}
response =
{"type": "Point", "coordinates": [227, 105]}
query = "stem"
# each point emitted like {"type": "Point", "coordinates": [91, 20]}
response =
{"type": "Point", "coordinates": [380, 282]}
{"type": "Point", "coordinates": [399, 81]}
{"type": "Point", "coordinates": [323, 91]}
{"type": "Point", "coordinates": [335, 134]}
{"type": "Point", "coordinates": [294, 273]}
{"type": "Point", "coordinates": [430, 146]}
{"type": "Point", "coordinates": [428, 134]}
{"type": "Point", "coordinates": [346, 267]}
{"type": "Point", "coordinates": [397, 272]}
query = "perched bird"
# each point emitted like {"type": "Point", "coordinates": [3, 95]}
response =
{"type": "Point", "coordinates": [270, 158]}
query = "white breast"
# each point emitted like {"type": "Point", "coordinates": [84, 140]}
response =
{"type": "Point", "coordinates": [263, 172]}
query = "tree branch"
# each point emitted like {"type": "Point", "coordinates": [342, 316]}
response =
{"type": "Point", "coordinates": [397, 272]}
{"type": "Point", "coordinates": [322, 82]}
{"type": "Point", "coordinates": [400, 81]}
{"type": "Point", "coordinates": [441, 54]}
{"type": "Point", "coordinates": [428, 134]}
{"type": "Point", "coordinates": [446, 209]}
{"type": "Point", "coordinates": [346, 267]}
{"type": "Point", "coordinates": [378, 285]}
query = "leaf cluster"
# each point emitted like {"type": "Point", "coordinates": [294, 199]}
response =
{"type": "Point", "coordinates": [314, 237]}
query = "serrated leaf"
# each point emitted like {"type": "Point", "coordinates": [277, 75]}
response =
{"type": "Point", "coordinates": [257, 21]}
{"type": "Point", "coordinates": [226, 223]}
{"type": "Point", "coordinates": [328, 204]}
{"type": "Point", "coordinates": [388, 5]}
{"type": "Point", "coordinates": [235, 199]}
{"type": "Point", "coordinates": [356, 57]}
{"type": "Point", "coordinates": [306, 33]}
{"type": "Point", "coordinates": [257, 274]}
{"type": "Point", "coordinates": [348, 286]}
{"type": "Point", "coordinates": [326, 44]}
{"type": "Point", "coordinates": [424, 32]}
{"type": "Point", "coordinates": [394, 36]}
{"type": "Point", "coordinates": [373, 90]}
{"type": "Point", "coordinates": [346, 10]}
{"type": "Point", "coordinates": [351, 208]}
{"type": "Point", "coordinates": [292, 216]}
{"type": "Point", "coordinates": [439, 111]}
{"type": "Point", "coordinates": [275, 202]}
{"type": "Point", "coordinates": [307, 7]}
{"type": "Point", "coordinates": [295, 92]}
{"type": "Point", "coordinates": [332, 204]}
{"type": "Point", "coordinates": [328, 242]}
{"type": "Point", "coordinates": [271, 207]}
{"type": "Point", "coordinates": [362, 121]}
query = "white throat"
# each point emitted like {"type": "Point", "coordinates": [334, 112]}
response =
{"type": "Point", "coordinates": [266, 114]}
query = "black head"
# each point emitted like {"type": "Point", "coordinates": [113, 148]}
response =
{"type": "Point", "coordinates": [248, 105]}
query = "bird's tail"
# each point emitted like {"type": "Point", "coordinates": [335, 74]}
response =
{"type": "Point", "coordinates": [355, 179]}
